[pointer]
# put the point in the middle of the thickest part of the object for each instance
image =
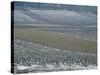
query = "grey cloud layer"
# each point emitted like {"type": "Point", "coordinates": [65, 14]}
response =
{"type": "Point", "coordinates": [32, 16]}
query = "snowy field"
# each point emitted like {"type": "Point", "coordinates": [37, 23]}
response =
{"type": "Point", "coordinates": [30, 57]}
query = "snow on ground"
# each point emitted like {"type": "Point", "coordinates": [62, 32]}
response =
{"type": "Point", "coordinates": [48, 67]}
{"type": "Point", "coordinates": [30, 57]}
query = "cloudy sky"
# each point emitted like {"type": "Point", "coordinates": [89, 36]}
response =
{"type": "Point", "coordinates": [36, 13]}
{"type": "Point", "coordinates": [74, 20]}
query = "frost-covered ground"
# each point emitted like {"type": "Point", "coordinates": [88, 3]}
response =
{"type": "Point", "coordinates": [30, 57]}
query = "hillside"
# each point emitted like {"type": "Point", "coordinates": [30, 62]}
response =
{"type": "Point", "coordinates": [55, 40]}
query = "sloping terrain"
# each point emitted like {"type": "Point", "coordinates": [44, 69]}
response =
{"type": "Point", "coordinates": [55, 40]}
{"type": "Point", "coordinates": [30, 57]}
